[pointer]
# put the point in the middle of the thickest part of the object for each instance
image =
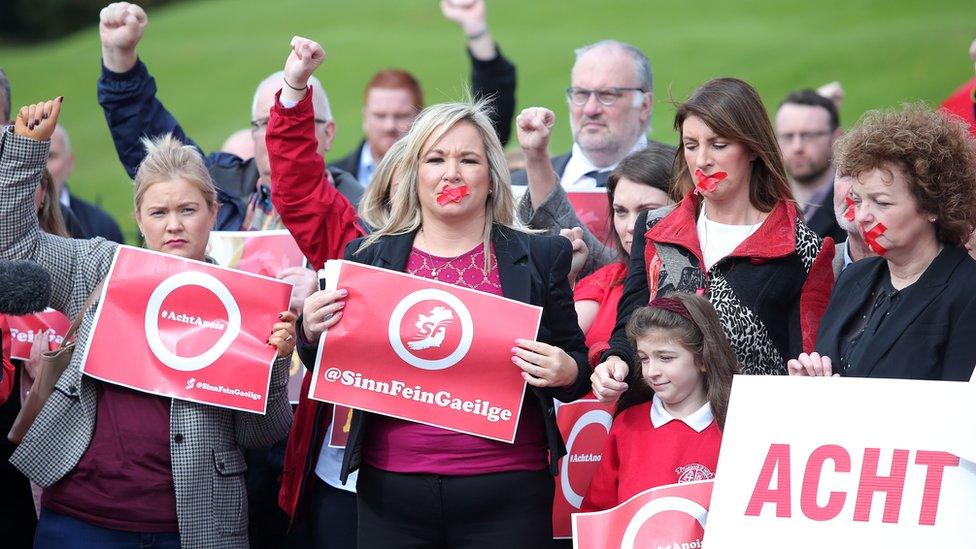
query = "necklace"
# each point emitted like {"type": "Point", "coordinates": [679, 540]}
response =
{"type": "Point", "coordinates": [434, 271]}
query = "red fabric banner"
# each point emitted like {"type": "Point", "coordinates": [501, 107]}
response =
{"type": "Point", "coordinates": [174, 327]}
{"type": "Point", "coordinates": [584, 425]}
{"type": "Point", "coordinates": [424, 351]}
{"type": "Point", "coordinates": [23, 330]}
{"type": "Point", "coordinates": [665, 516]}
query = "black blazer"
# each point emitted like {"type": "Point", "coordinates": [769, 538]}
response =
{"type": "Point", "coordinates": [533, 269]}
{"type": "Point", "coordinates": [350, 162]}
{"type": "Point", "coordinates": [96, 221]}
{"type": "Point", "coordinates": [930, 333]}
{"type": "Point", "coordinates": [519, 177]}
{"type": "Point", "coordinates": [824, 223]}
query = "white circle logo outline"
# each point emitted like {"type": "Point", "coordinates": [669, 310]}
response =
{"type": "Point", "coordinates": [208, 357]}
{"type": "Point", "coordinates": [670, 503]}
{"type": "Point", "coordinates": [432, 294]}
{"type": "Point", "coordinates": [601, 417]}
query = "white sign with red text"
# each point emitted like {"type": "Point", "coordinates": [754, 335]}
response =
{"type": "Point", "coordinates": [23, 330]}
{"type": "Point", "coordinates": [170, 326]}
{"type": "Point", "coordinates": [585, 426]}
{"type": "Point", "coordinates": [663, 517]}
{"type": "Point", "coordinates": [845, 462]}
{"type": "Point", "coordinates": [424, 350]}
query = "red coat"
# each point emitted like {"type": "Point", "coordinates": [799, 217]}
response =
{"type": "Point", "coordinates": [322, 222]}
{"type": "Point", "coordinates": [7, 367]}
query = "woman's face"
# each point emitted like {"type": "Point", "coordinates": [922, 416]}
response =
{"type": "Point", "coordinates": [175, 218]}
{"type": "Point", "coordinates": [629, 200]}
{"type": "Point", "coordinates": [884, 196]}
{"type": "Point", "coordinates": [706, 151]}
{"type": "Point", "coordinates": [457, 160]}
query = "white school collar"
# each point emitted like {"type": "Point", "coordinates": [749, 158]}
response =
{"type": "Point", "coordinates": [699, 420]}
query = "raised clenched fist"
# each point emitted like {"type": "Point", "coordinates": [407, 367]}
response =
{"type": "Point", "coordinates": [122, 25]}
{"type": "Point", "coordinates": [534, 127]}
{"type": "Point", "coordinates": [38, 121]}
{"type": "Point", "coordinates": [306, 56]}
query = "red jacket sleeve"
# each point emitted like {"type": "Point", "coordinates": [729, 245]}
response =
{"type": "Point", "coordinates": [312, 209]}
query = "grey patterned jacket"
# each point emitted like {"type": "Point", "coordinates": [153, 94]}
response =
{"type": "Point", "coordinates": [205, 442]}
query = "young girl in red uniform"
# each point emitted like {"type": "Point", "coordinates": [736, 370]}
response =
{"type": "Point", "coordinates": [668, 425]}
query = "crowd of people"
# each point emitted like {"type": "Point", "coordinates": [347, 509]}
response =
{"type": "Point", "coordinates": [758, 245]}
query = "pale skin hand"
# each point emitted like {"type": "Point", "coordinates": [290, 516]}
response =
{"type": "Point", "coordinates": [580, 252]}
{"type": "Point", "coordinates": [812, 364]}
{"type": "Point", "coordinates": [322, 310]}
{"type": "Point", "coordinates": [470, 16]}
{"type": "Point", "coordinates": [608, 379]}
{"type": "Point", "coordinates": [534, 128]}
{"type": "Point", "coordinates": [40, 345]}
{"type": "Point", "coordinates": [304, 282]}
{"type": "Point", "coordinates": [283, 334]}
{"type": "Point", "coordinates": [544, 365]}
{"type": "Point", "coordinates": [120, 27]}
{"type": "Point", "coordinates": [306, 56]}
{"type": "Point", "coordinates": [38, 121]}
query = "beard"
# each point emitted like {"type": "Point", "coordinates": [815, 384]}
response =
{"type": "Point", "coordinates": [810, 172]}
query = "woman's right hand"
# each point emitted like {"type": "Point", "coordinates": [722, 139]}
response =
{"type": "Point", "coordinates": [322, 311]}
{"type": "Point", "coordinates": [38, 121]}
{"type": "Point", "coordinates": [608, 379]}
{"type": "Point", "coordinates": [810, 365]}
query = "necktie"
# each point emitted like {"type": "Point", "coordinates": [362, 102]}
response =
{"type": "Point", "coordinates": [600, 177]}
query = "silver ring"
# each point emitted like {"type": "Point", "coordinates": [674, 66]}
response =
{"type": "Point", "coordinates": [326, 317]}
{"type": "Point", "coordinates": [289, 338]}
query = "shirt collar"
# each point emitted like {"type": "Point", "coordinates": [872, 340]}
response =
{"type": "Point", "coordinates": [579, 165]}
{"type": "Point", "coordinates": [366, 164]}
{"type": "Point", "coordinates": [699, 420]}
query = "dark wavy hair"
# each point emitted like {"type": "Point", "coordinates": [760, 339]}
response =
{"type": "Point", "coordinates": [649, 166]}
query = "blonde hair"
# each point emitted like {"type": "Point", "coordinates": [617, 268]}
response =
{"type": "Point", "coordinates": [374, 209]}
{"type": "Point", "coordinates": [168, 159]}
{"type": "Point", "coordinates": [430, 127]}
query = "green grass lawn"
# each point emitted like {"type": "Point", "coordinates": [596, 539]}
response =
{"type": "Point", "coordinates": [207, 57]}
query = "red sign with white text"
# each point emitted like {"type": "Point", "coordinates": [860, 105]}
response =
{"type": "Point", "coordinates": [425, 351]}
{"type": "Point", "coordinates": [665, 516]}
{"type": "Point", "coordinates": [170, 326]}
{"type": "Point", "coordinates": [593, 209]}
{"type": "Point", "coordinates": [584, 425]}
{"type": "Point", "coordinates": [260, 252]}
{"type": "Point", "coordinates": [23, 330]}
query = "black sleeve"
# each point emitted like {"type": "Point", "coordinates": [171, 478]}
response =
{"type": "Point", "coordinates": [559, 316]}
{"type": "Point", "coordinates": [495, 79]}
{"type": "Point", "coordinates": [636, 294]}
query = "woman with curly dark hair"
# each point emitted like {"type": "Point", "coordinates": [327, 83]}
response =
{"type": "Point", "coordinates": [909, 313]}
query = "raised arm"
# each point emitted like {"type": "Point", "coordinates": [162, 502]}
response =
{"type": "Point", "coordinates": [76, 266]}
{"type": "Point", "coordinates": [318, 216]}
{"type": "Point", "coordinates": [492, 75]}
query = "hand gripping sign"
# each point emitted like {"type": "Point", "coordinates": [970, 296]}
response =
{"type": "Point", "coordinates": [23, 330]}
{"type": "Point", "coordinates": [170, 326]}
{"type": "Point", "coordinates": [671, 516]}
{"type": "Point", "coordinates": [424, 351]}
{"type": "Point", "coordinates": [584, 425]}
{"type": "Point", "coordinates": [845, 462]}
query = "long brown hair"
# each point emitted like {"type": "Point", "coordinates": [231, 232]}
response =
{"type": "Point", "coordinates": [733, 110]}
{"type": "Point", "coordinates": [649, 166]}
{"type": "Point", "coordinates": [702, 335]}
{"type": "Point", "coordinates": [49, 214]}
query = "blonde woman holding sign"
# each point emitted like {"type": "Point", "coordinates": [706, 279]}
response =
{"type": "Point", "coordinates": [121, 467]}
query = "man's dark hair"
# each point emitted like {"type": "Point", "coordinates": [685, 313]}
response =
{"type": "Point", "coordinates": [811, 98]}
{"type": "Point", "coordinates": [4, 97]}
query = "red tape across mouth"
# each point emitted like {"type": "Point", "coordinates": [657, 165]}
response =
{"type": "Point", "coordinates": [849, 213]}
{"type": "Point", "coordinates": [452, 194]}
{"type": "Point", "coordinates": [708, 183]}
{"type": "Point", "coordinates": [871, 238]}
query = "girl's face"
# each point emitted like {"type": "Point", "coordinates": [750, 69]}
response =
{"type": "Point", "coordinates": [671, 370]}
{"type": "Point", "coordinates": [711, 153]}
{"type": "Point", "coordinates": [629, 200]}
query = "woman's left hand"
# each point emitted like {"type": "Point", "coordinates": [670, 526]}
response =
{"type": "Point", "coordinates": [812, 364]}
{"type": "Point", "coordinates": [544, 365]}
{"type": "Point", "coordinates": [283, 334]}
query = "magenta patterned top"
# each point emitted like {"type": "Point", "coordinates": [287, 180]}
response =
{"type": "Point", "coordinates": [402, 446]}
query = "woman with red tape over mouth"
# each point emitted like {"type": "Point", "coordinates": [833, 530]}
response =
{"type": "Point", "coordinates": [908, 313]}
{"type": "Point", "coordinates": [734, 237]}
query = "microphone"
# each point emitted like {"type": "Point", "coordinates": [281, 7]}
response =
{"type": "Point", "coordinates": [25, 288]}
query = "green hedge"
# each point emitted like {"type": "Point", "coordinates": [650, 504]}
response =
{"type": "Point", "coordinates": [37, 20]}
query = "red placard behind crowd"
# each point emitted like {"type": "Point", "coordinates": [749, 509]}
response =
{"type": "Point", "coordinates": [423, 350]}
{"type": "Point", "coordinates": [593, 209]}
{"type": "Point", "coordinates": [185, 329]}
{"type": "Point", "coordinates": [23, 330]}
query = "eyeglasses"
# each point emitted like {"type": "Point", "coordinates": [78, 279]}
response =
{"type": "Point", "coordinates": [607, 97]}
{"type": "Point", "coordinates": [261, 124]}
{"type": "Point", "coordinates": [805, 137]}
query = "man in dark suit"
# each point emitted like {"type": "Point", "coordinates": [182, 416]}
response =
{"type": "Point", "coordinates": [807, 124]}
{"type": "Point", "coordinates": [610, 104]}
{"type": "Point", "coordinates": [393, 97]}
{"type": "Point", "coordinates": [93, 220]}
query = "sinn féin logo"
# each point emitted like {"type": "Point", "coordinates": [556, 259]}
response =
{"type": "Point", "coordinates": [431, 329]}
{"type": "Point", "coordinates": [693, 472]}
{"type": "Point", "coordinates": [155, 303]}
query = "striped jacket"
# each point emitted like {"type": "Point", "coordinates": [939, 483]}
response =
{"type": "Point", "coordinates": [205, 441]}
